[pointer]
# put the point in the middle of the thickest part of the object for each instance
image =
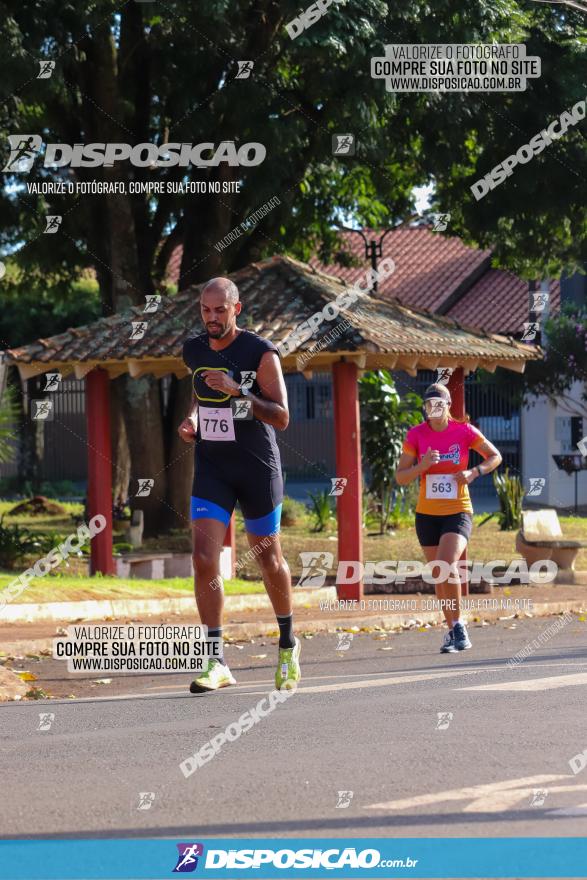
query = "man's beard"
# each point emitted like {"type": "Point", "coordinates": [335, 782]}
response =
{"type": "Point", "coordinates": [217, 332]}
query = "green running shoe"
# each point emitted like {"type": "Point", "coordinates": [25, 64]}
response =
{"type": "Point", "coordinates": [288, 666]}
{"type": "Point", "coordinates": [216, 676]}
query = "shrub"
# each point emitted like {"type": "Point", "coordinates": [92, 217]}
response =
{"type": "Point", "coordinates": [292, 511]}
{"type": "Point", "coordinates": [510, 494]}
{"type": "Point", "coordinates": [320, 509]}
{"type": "Point", "coordinates": [16, 542]}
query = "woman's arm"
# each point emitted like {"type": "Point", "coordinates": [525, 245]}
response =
{"type": "Point", "coordinates": [409, 469]}
{"type": "Point", "coordinates": [492, 457]}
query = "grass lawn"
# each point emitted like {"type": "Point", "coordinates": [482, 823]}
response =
{"type": "Point", "coordinates": [71, 589]}
{"type": "Point", "coordinates": [487, 543]}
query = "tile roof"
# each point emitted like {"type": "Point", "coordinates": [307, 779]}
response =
{"type": "Point", "coordinates": [498, 302]}
{"type": "Point", "coordinates": [436, 272]}
{"type": "Point", "coordinates": [278, 294]}
{"type": "Point", "coordinates": [429, 266]}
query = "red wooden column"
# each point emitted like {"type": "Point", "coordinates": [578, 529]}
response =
{"type": "Point", "coordinates": [230, 541]}
{"type": "Point", "coordinates": [456, 386]}
{"type": "Point", "coordinates": [348, 465]}
{"type": "Point", "coordinates": [99, 468]}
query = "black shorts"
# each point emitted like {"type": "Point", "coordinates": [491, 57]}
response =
{"type": "Point", "coordinates": [429, 527]}
{"type": "Point", "coordinates": [258, 490]}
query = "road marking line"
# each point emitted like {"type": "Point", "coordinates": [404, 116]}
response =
{"type": "Point", "coordinates": [579, 810]}
{"type": "Point", "coordinates": [490, 797]}
{"type": "Point", "coordinates": [532, 684]}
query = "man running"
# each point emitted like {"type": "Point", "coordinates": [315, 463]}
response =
{"type": "Point", "coordinates": [236, 373]}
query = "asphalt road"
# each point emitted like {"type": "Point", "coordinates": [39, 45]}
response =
{"type": "Point", "coordinates": [364, 720]}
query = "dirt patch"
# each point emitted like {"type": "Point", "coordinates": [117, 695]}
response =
{"type": "Point", "coordinates": [38, 505]}
{"type": "Point", "coordinates": [11, 685]}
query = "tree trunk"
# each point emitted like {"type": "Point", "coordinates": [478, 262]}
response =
{"type": "Point", "coordinates": [119, 443]}
{"type": "Point", "coordinates": [31, 437]}
{"type": "Point", "coordinates": [180, 457]}
{"type": "Point", "coordinates": [144, 430]}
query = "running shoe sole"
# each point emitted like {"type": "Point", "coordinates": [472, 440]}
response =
{"type": "Point", "coordinates": [201, 689]}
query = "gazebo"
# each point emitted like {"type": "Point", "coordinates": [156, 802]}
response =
{"type": "Point", "coordinates": [278, 295]}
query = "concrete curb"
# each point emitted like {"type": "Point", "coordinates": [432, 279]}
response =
{"type": "Point", "coordinates": [99, 609]}
{"type": "Point", "coordinates": [330, 624]}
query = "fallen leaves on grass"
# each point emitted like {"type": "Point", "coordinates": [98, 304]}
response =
{"type": "Point", "coordinates": [258, 656]}
{"type": "Point", "coordinates": [102, 681]}
{"type": "Point", "coordinates": [25, 675]}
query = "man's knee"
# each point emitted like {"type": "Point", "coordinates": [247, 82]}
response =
{"type": "Point", "coordinates": [204, 559]}
{"type": "Point", "coordinates": [272, 563]}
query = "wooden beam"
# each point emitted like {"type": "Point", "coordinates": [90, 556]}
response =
{"type": "Point", "coordinates": [82, 370]}
{"type": "Point", "coordinates": [514, 366]}
{"type": "Point", "coordinates": [29, 371]}
{"type": "Point", "coordinates": [428, 363]}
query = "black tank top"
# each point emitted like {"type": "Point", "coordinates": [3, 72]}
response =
{"type": "Point", "coordinates": [253, 438]}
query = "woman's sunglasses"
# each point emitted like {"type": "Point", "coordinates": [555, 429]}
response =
{"type": "Point", "coordinates": [435, 405]}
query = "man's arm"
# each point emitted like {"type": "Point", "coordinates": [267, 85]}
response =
{"type": "Point", "coordinates": [272, 407]}
{"type": "Point", "coordinates": [189, 426]}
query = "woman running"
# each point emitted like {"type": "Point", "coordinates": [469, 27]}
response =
{"type": "Point", "coordinates": [437, 451]}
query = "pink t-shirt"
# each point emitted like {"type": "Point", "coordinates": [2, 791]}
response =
{"type": "Point", "coordinates": [453, 444]}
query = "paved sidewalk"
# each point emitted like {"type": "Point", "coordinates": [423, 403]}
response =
{"type": "Point", "coordinates": [387, 611]}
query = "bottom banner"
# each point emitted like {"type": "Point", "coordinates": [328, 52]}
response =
{"type": "Point", "coordinates": [515, 857]}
